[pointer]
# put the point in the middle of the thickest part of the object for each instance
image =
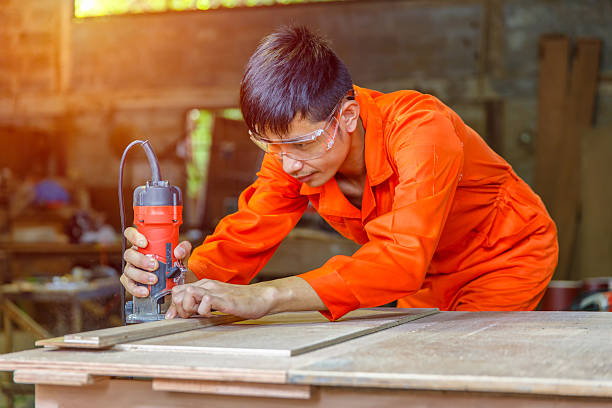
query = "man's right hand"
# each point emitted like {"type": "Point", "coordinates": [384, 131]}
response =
{"type": "Point", "coordinates": [138, 267]}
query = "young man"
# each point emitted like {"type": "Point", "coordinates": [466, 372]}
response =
{"type": "Point", "coordinates": [443, 221]}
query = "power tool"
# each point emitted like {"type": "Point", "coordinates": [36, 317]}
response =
{"type": "Point", "coordinates": [158, 209]}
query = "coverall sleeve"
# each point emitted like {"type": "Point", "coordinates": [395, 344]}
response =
{"type": "Point", "coordinates": [243, 242]}
{"type": "Point", "coordinates": [428, 156]}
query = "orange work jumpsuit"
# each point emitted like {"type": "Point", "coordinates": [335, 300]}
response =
{"type": "Point", "coordinates": [445, 222]}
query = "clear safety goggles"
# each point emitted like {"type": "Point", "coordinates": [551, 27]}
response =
{"type": "Point", "coordinates": [304, 147]}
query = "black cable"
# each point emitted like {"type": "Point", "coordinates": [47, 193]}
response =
{"type": "Point", "coordinates": [122, 213]}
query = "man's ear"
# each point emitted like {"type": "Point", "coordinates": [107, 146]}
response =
{"type": "Point", "coordinates": [350, 115]}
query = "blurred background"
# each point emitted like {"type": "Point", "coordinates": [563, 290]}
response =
{"type": "Point", "coordinates": [80, 79]}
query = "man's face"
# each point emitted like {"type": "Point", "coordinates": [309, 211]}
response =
{"type": "Point", "coordinates": [316, 172]}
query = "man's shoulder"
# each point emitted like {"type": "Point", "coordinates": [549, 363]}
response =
{"type": "Point", "coordinates": [398, 104]}
{"type": "Point", "coordinates": [404, 104]}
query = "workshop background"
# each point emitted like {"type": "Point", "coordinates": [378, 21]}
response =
{"type": "Point", "coordinates": [81, 79]}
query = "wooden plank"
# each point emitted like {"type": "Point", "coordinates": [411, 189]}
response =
{"type": "Point", "coordinates": [282, 335]}
{"type": "Point", "coordinates": [537, 353]}
{"type": "Point", "coordinates": [290, 391]}
{"type": "Point", "coordinates": [55, 377]}
{"type": "Point", "coordinates": [137, 393]}
{"type": "Point", "coordinates": [545, 353]}
{"type": "Point", "coordinates": [595, 234]}
{"type": "Point", "coordinates": [579, 105]}
{"type": "Point", "coordinates": [584, 80]}
{"type": "Point", "coordinates": [188, 366]}
{"type": "Point", "coordinates": [105, 338]}
{"type": "Point", "coordinates": [552, 88]}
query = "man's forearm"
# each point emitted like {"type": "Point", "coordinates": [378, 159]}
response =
{"type": "Point", "coordinates": [291, 294]}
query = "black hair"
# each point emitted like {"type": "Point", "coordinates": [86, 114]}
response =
{"type": "Point", "coordinates": [293, 71]}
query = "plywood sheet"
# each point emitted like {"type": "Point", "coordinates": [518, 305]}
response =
{"type": "Point", "coordinates": [554, 353]}
{"type": "Point", "coordinates": [175, 364]}
{"type": "Point", "coordinates": [539, 353]}
{"type": "Point", "coordinates": [188, 366]}
{"type": "Point", "coordinates": [285, 334]}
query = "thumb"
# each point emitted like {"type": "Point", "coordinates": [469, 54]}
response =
{"type": "Point", "coordinates": [171, 313]}
{"type": "Point", "coordinates": [182, 251]}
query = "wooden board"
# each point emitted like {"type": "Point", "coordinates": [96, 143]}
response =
{"type": "Point", "coordinates": [595, 232]}
{"type": "Point", "coordinates": [138, 393]}
{"type": "Point", "coordinates": [242, 389]}
{"type": "Point", "coordinates": [524, 353]}
{"type": "Point", "coordinates": [578, 115]}
{"type": "Point", "coordinates": [553, 353]}
{"type": "Point", "coordinates": [105, 338]}
{"type": "Point", "coordinates": [187, 366]}
{"type": "Point", "coordinates": [285, 334]}
{"type": "Point", "coordinates": [553, 76]}
{"type": "Point", "coordinates": [55, 377]}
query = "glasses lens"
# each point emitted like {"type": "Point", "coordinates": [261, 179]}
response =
{"type": "Point", "coordinates": [307, 147]}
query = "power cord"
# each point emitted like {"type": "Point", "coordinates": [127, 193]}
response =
{"type": "Point", "coordinates": [122, 213]}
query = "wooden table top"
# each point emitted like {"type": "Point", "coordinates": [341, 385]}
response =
{"type": "Point", "coordinates": [549, 353]}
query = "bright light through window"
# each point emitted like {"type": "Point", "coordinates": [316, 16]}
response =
{"type": "Point", "coordinates": [95, 8]}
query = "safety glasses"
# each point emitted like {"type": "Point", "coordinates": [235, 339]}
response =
{"type": "Point", "coordinates": [304, 147]}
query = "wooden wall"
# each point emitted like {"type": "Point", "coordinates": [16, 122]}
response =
{"type": "Point", "coordinates": [86, 80]}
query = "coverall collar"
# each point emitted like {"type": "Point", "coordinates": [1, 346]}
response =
{"type": "Point", "coordinates": [378, 167]}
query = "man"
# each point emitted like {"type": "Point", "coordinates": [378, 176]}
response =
{"type": "Point", "coordinates": [443, 221]}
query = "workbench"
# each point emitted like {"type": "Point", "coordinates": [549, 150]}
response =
{"type": "Point", "coordinates": [74, 294]}
{"type": "Point", "coordinates": [448, 359]}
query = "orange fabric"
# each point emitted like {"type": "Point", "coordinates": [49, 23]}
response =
{"type": "Point", "coordinates": [445, 222]}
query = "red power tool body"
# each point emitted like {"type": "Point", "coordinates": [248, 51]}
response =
{"type": "Point", "coordinates": [160, 225]}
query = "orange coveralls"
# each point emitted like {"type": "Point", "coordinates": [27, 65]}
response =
{"type": "Point", "coordinates": [445, 222]}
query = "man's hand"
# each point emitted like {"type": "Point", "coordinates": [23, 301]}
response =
{"type": "Point", "coordinates": [246, 301]}
{"type": "Point", "coordinates": [206, 295]}
{"type": "Point", "coordinates": [138, 266]}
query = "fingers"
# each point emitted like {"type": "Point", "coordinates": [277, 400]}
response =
{"type": "Point", "coordinates": [133, 257]}
{"type": "Point", "coordinates": [183, 250]}
{"type": "Point", "coordinates": [135, 237]}
{"type": "Point", "coordinates": [205, 306]}
{"type": "Point", "coordinates": [138, 275]}
{"type": "Point", "coordinates": [210, 303]}
{"type": "Point", "coordinates": [186, 299]}
{"type": "Point", "coordinates": [201, 298]}
{"type": "Point", "coordinates": [132, 288]}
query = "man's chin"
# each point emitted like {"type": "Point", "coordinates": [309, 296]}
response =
{"type": "Point", "coordinates": [316, 180]}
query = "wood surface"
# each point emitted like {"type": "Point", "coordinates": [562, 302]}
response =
{"type": "Point", "coordinates": [55, 377]}
{"type": "Point", "coordinates": [285, 334]}
{"type": "Point", "coordinates": [139, 393]}
{"type": "Point", "coordinates": [549, 353]}
{"type": "Point", "coordinates": [105, 338]}
{"type": "Point", "coordinates": [538, 353]}
{"type": "Point", "coordinates": [233, 388]}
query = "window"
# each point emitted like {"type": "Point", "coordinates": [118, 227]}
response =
{"type": "Point", "coordinates": [95, 8]}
